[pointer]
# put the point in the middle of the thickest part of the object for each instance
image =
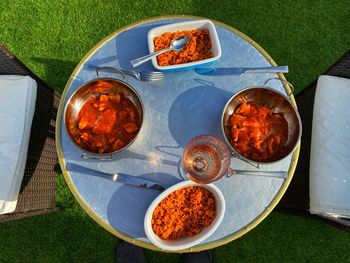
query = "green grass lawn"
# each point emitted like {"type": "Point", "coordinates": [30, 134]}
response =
{"type": "Point", "coordinates": [51, 37]}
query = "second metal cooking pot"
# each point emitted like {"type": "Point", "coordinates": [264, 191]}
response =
{"type": "Point", "coordinates": [279, 103]}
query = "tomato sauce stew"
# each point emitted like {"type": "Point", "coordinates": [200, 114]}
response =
{"type": "Point", "coordinates": [105, 123]}
{"type": "Point", "coordinates": [257, 132]}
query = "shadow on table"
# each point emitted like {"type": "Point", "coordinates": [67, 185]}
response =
{"type": "Point", "coordinates": [197, 111]}
{"type": "Point", "coordinates": [128, 205]}
{"type": "Point", "coordinates": [123, 50]}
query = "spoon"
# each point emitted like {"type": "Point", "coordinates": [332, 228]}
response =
{"type": "Point", "coordinates": [176, 44]}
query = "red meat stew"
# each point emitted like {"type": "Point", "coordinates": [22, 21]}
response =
{"type": "Point", "coordinates": [105, 123]}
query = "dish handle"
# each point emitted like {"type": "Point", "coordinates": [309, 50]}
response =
{"type": "Point", "coordinates": [283, 81]}
{"type": "Point", "coordinates": [234, 155]}
{"type": "Point", "coordinates": [112, 68]}
{"type": "Point", "coordinates": [99, 158]}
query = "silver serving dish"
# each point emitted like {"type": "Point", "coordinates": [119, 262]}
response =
{"type": "Point", "coordinates": [279, 103]}
{"type": "Point", "coordinates": [91, 89]}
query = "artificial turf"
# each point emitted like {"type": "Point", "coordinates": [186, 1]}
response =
{"type": "Point", "coordinates": [51, 37]}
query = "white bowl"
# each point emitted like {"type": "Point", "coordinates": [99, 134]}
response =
{"type": "Point", "coordinates": [189, 25]}
{"type": "Point", "coordinates": [187, 242]}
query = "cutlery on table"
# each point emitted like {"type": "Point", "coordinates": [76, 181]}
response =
{"type": "Point", "coordinates": [176, 44]}
{"type": "Point", "coordinates": [140, 75]}
{"type": "Point", "coordinates": [144, 75]}
{"type": "Point", "coordinates": [276, 174]}
{"type": "Point", "coordinates": [118, 177]}
{"type": "Point", "coordinates": [240, 70]}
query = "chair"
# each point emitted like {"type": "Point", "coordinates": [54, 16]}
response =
{"type": "Point", "coordinates": [296, 198]}
{"type": "Point", "coordinates": [37, 194]}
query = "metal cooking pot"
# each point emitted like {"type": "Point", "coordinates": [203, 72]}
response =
{"type": "Point", "coordinates": [279, 103]}
{"type": "Point", "coordinates": [94, 88]}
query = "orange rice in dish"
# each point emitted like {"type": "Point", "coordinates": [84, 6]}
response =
{"type": "Point", "coordinates": [197, 48]}
{"type": "Point", "coordinates": [184, 213]}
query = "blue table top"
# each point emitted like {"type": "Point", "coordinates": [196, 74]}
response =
{"type": "Point", "coordinates": [181, 106]}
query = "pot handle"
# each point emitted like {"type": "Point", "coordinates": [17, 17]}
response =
{"type": "Point", "coordinates": [88, 157]}
{"type": "Point", "coordinates": [234, 155]}
{"type": "Point", "coordinates": [285, 81]}
{"type": "Point", "coordinates": [109, 67]}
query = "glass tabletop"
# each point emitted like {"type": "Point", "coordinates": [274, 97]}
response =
{"type": "Point", "coordinates": [177, 108]}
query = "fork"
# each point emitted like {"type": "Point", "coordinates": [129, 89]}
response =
{"type": "Point", "coordinates": [140, 75]}
{"type": "Point", "coordinates": [144, 75]}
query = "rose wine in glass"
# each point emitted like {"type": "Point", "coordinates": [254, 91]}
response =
{"type": "Point", "coordinates": [205, 159]}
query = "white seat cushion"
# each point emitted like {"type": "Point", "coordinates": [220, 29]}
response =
{"type": "Point", "coordinates": [330, 148]}
{"type": "Point", "coordinates": [17, 106]}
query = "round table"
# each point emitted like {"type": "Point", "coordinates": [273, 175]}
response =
{"type": "Point", "coordinates": [177, 108]}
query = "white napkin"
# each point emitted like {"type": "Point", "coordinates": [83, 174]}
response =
{"type": "Point", "coordinates": [17, 105]}
{"type": "Point", "coordinates": [330, 148]}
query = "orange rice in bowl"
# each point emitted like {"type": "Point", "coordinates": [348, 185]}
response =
{"type": "Point", "coordinates": [197, 48]}
{"type": "Point", "coordinates": [202, 49]}
{"type": "Point", "coordinates": [184, 215]}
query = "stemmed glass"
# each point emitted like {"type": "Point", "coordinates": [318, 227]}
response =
{"type": "Point", "coordinates": [205, 159]}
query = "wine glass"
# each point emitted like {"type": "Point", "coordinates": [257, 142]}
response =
{"type": "Point", "coordinates": [205, 159]}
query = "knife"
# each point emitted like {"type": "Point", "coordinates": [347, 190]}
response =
{"type": "Point", "coordinates": [240, 70]}
{"type": "Point", "coordinates": [118, 177]}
